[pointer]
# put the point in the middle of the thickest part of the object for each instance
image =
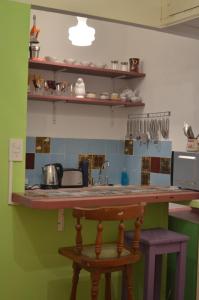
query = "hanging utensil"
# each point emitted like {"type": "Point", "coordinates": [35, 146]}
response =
{"type": "Point", "coordinates": [127, 130]}
{"type": "Point", "coordinates": [156, 128]}
{"type": "Point", "coordinates": [130, 130]}
{"type": "Point", "coordinates": [185, 128]}
{"type": "Point", "coordinates": [190, 133]}
{"type": "Point", "coordinates": [134, 133]}
{"type": "Point", "coordinates": [144, 138]}
{"type": "Point", "coordinates": [167, 128]}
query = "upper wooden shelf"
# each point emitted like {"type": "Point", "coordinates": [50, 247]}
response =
{"type": "Point", "coordinates": [56, 66]}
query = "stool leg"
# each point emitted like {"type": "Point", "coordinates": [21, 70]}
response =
{"type": "Point", "coordinates": [158, 273]}
{"type": "Point", "coordinates": [76, 271]}
{"type": "Point", "coordinates": [180, 272]}
{"type": "Point", "coordinates": [107, 286]}
{"type": "Point", "coordinates": [95, 278]}
{"type": "Point", "coordinates": [149, 274]}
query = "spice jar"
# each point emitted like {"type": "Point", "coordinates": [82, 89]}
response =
{"type": "Point", "coordinates": [114, 64]}
{"type": "Point", "coordinates": [124, 66]}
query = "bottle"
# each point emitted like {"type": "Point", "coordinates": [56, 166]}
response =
{"type": "Point", "coordinates": [124, 177]}
{"type": "Point", "coordinates": [80, 88]}
{"type": "Point", "coordinates": [114, 64]}
{"type": "Point", "coordinates": [84, 164]}
{"type": "Point", "coordinates": [124, 66]}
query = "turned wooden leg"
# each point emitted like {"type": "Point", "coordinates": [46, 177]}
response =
{"type": "Point", "coordinates": [95, 277]}
{"type": "Point", "coordinates": [76, 271]}
{"type": "Point", "coordinates": [129, 282]}
{"type": "Point", "coordinates": [107, 286]}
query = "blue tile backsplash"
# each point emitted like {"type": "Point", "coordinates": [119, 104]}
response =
{"type": "Point", "coordinates": [66, 151]}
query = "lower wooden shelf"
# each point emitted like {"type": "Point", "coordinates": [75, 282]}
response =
{"type": "Point", "coordinates": [90, 101]}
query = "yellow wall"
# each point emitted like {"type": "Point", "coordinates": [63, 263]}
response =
{"type": "Point", "coordinates": [153, 13]}
{"type": "Point", "coordinates": [142, 12]}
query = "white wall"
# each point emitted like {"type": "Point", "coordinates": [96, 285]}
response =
{"type": "Point", "coordinates": [170, 62]}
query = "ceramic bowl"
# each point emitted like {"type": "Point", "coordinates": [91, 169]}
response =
{"type": "Point", "coordinates": [91, 95]}
{"type": "Point", "coordinates": [84, 63]}
{"type": "Point", "coordinates": [70, 61]}
{"type": "Point", "coordinates": [51, 58]}
{"type": "Point", "coordinates": [100, 65]}
{"type": "Point", "coordinates": [104, 96]}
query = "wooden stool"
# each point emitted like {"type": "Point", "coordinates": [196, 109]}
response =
{"type": "Point", "coordinates": [154, 243]}
{"type": "Point", "coordinates": [101, 258]}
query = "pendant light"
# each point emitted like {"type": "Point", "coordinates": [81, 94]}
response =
{"type": "Point", "coordinates": [81, 34]}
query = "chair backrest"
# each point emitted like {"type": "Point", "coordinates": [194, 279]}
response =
{"type": "Point", "coordinates": [113, 213]}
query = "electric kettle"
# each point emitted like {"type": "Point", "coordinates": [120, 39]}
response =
{"type": "Point", "coordinates": [52, 176]}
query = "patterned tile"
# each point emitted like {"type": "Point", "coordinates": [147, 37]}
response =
{"type": "Point", "coordinates": [145, 178]}
{"type": "Point", "coordinates": [128, 147]}
{"type": "Point", "coordinates": [30, 161]}
{"type": "Point", "coordinates": [146, 164]}
{"type": "Point", "coordinates": [42, 145]}
{"type": "Point", "coordinates": [155, 164]}
{"type": "Point", "coordinates": [165, 165]}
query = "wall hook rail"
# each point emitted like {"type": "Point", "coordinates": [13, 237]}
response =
{"type": "Point", "coordinates": [150, 115]}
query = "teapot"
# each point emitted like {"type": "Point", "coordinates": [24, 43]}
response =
{"type": "Point", "coordinates": [52, 176]}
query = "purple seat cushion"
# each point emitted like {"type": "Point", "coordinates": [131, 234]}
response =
{"type": "Point", "coordinates": [157, 236]}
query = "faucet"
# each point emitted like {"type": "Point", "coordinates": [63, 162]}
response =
{"type": "Point", "coordinates": [103, 180]}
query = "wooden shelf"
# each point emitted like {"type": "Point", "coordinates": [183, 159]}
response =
{"type": "Point", "coordinates": [91, 101]}
{"type": "Point", "coordinates": [56, 66]}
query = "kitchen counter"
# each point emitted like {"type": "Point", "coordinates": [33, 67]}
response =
{"type": "Point", "coordinates": [101, 196]}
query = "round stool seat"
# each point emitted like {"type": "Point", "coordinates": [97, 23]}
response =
{"type": "Point", "coordinates": [158, 236]}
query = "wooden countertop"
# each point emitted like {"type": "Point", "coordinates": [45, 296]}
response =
{"type": "Point", "coordinates": [101, 196]}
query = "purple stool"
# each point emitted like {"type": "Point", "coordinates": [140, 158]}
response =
{"type": "Point", "coordinates": [154, 243]}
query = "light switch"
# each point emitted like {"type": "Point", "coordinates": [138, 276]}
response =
{"type": "Point", "coordinates": [16, 150]}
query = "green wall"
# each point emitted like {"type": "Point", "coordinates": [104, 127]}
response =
{"type": "Point", "coordinates": [30, 267]}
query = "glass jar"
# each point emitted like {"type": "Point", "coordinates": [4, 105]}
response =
{"type": "Point", "coordinates": [124, 66]}
{"type": "Point", "coordinates": [114, 64]}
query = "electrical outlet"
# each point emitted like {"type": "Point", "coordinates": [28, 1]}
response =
{"type": "Point", "coordinates": [16, 150]}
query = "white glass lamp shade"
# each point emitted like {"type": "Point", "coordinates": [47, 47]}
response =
{"type": "Point", "coordinates": [81, 34]}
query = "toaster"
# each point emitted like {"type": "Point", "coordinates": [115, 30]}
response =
{"type": "Point", "coordinates": [72, 178]}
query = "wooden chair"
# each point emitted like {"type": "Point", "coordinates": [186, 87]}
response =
{"type": "Point", "coordinates": [105, 257]}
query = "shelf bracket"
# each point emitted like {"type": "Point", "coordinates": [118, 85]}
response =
{"type": "Point", "coordinates": [54, 113]}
